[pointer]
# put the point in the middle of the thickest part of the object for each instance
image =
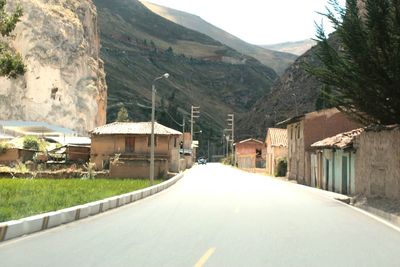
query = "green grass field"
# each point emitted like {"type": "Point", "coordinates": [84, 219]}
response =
{"type": "Point", "coordinates": [20, 198]}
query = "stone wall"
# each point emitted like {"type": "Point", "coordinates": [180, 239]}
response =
{"type": "Point", "coordinates": [377, 166]}
{"type": "Point", "coordinates": [65, 81]}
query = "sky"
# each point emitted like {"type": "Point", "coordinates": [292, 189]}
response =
{"type": "Point", "coordinates": [258, 21]}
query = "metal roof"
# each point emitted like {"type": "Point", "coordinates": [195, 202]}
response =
{"type": "Point", "coordinates": [34, 128]}
{"type": "Point", "coordinates": [137, 128]}
{"type": "Point", "coordinates": [250, 140]}
{"type": "Point", "coordinates": [71, 140]}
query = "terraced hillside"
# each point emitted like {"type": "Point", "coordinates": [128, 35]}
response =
{"type": "Point", "coordinates": [138, 45]}
{"type": "Point", "coordinates": [277, 60]}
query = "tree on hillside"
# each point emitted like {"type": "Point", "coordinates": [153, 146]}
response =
{"type": "Point", "coordinates": [11, 63]}
{"type": "Point", "coordinates": [364, 73]}
{"type": "Point", "coordinates": [123, 115]}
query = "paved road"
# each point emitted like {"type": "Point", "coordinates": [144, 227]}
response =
{"type": "Point", "coordinates": [216, 216]}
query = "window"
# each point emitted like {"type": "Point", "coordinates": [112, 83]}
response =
{"type": "Point", "coordinates": [291, 132]}
{"type": "Point", "coordinates": [129, 144]}
{"type": "Point", "coordinates": [149, 140]}
{"type": "Point", "coordinates": [298, 132]}
{"type": "Point", "coordinates": [175, 141]}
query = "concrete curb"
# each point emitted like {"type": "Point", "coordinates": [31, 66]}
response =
{"type": "Point", "coordinates": [33, 224]}
{"type": "Point", "coordinates": [393, 219]}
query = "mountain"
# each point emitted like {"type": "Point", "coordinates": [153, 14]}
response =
{"type": "Point", "coordinates": [294, 88]}
{"type": "Point", "coordinates": [279, 61]}
{"type": "Point", "coordinates": [139, 45]}
{"type": "Point", "coordinates": [64, 83]}
{"type": "Point", "coordinates": [297, 48]}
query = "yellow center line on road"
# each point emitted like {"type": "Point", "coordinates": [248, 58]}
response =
{"type": "Point", "coordinates": [205, 257]}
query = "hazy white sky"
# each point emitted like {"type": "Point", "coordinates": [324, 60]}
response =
{"type": "Point", "coordinates": [257, 21]}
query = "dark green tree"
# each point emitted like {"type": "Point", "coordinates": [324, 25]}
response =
{"type": "Point", "coordinates": [11, 63]}
{"type": "Point", "coordinates": [31, 142]}
{"type": "Point", "coordinates": [364, 73]}
{"type": "Point", "coordinates": [122, 115]}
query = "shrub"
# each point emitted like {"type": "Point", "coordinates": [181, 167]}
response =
{"type": "Point", "coordinates": [228, 160]}
{"type": "Point", "coordinates": [31, 142]}
{"type": "Point", "coordinates": [3, 147]}
{"type": "Point", "coordinates": [281, 167]}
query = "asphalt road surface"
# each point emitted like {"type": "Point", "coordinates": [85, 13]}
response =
{"type": "Point", "coordinates": [216, 216]}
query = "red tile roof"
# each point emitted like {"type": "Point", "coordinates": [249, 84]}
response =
{"type": "Point", "coordinates": [138, 128]}
{"type": "Point", "coordinates": [278, 137]}
{"type": "Point", "coordinates": [340, 141]}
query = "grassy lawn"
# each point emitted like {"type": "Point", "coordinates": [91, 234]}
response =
{"type": "Point", "coordinates": [20, 198]}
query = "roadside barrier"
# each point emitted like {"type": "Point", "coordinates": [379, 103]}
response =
{"type": "Point", "coordinates": [36, 223]}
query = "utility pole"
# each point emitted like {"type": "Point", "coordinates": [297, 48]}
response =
{"type": "Point", "coordinates": [195, 113]}
{"type": "Point", "coordinates": [231, 123]}
{"type": "Point", "coordinates": [183, 136]}
{"type": "Point", "coordinates": [295, 103]}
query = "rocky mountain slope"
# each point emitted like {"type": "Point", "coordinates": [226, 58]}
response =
{"type": "Point", "coordinates": [65, 81]}
{"type": "Point", "coordinates": [138, 46]}
{"type": "Point", "coordinates": [297, 48]}
{"type": "Point", "coordinates": [294, 88]}
{"type": "Point", "coordinates": [279, 61]}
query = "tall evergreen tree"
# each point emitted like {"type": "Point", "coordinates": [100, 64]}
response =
{"type": "Point", "coordinates": [11, 63]}
{"type": "Point", "coordinates": [364, 73]}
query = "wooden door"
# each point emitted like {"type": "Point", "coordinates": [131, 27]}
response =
{"type": "Point", "coordinates": [129, 144]}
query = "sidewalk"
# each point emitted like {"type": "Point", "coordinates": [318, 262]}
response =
{"type": "Point", "coordinates": [386, 209]}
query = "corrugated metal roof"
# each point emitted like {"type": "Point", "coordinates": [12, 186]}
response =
{"type": "Point", "coordinates": [71, 140]}
{"type": "Point", "coordinates": [33, 126]}
{"type": "Point", "coordinates": [340, 141]}
{"type": "Point", "coordinates": [278, 137]}
{"type": "Point", "coordinates": [250, 140]}
{"type": "Point", "coordinates": [138, 128]}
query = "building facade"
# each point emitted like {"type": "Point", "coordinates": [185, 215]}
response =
{"type": "Point", "coordinates": [307, 129]}
{"type": "Point", "coordinates": [124, 148]}
{"type": "Point", "coordinates": [249, 154]}
{"type": "Point", "coordinates": [362, 161]}
{"type": "Point", "coordinates": [276, 147]}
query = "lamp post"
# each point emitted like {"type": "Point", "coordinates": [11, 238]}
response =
{"type": "Point", "coordinates": [153, 105]}
{"type": "Point", "coordinates": [295, 103]}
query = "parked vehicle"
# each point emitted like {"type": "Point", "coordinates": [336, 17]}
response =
{"type": "Point", "coordinates": [201, 161]}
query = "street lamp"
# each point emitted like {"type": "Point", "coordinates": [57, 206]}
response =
{"type": "Point", "coordinates": [153, 105]}
{"type": "Point", "coordinates": [295, 103]}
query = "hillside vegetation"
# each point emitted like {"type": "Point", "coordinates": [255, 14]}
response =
{"type": "Point", "coordinates": [279, 61]}
{"type": "Point", "coordinates": [138, 46]}
{"type": "Point", "coordinates": [295, 86]}
{"type": "Point", "coordinates": [297, 48]}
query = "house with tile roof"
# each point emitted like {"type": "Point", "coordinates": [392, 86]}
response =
{"type": "Point", "coordinates": [249, 154]}
{"type": "Point", "coordinates": [124, 149]}
{"type": "Point", "coordinates": [363, 161]}
{"type": "Point", "coordinates": [306, 129]}
{"type": "Point", "coordinates": [276, 144]}
{"type": "Point", "coordinates": [333, 163]}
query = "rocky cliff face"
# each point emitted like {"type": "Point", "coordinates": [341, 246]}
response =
{"type": "Point", "coordinates": [64, 83]}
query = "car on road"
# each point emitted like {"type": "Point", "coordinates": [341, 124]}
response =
{"type": "Point", "coordinates": [201, 161]}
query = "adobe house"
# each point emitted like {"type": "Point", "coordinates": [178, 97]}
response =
{"type": "Point", "coordinates": [304, 130]}
{"type": "Point", "coordinates": [124, 147]}
{"type": "Point", "coordinates": [249, 154]}
{"type": "Point", "coordinates": [364, 161]}
{"type": "Point", "coordinates": [72, 148]}
{"type": "Point", "coordinates": [13, 155]}
{"type": "Point", "coordinates": [333, 163]}
{"type": "Point", "coordinates": [276, 147]}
